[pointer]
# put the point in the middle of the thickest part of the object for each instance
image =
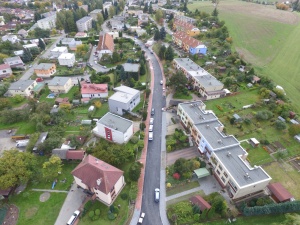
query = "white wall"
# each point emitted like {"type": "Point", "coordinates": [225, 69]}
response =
{"type": "Point", "coordinates": [79, 183]}
{"type": "Point", "coordinates": [67, 62]}
{"type": "Point", "coordinates": [105, 198]}
{"type": "Point", "coordinates": [99, 95]}
{"type": "Point", "coordinates": [120, 183]}
{"type": "Point", "coordinates": [117, 136]}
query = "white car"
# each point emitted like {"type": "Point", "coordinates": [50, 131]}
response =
{"type": "Point", "coordinates": [161, 82]}
{"type": "Point", "coordinates": [151, 121]}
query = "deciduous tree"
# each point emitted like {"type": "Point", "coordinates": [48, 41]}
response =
{"type": "Point", "coordinates": [52, 168]}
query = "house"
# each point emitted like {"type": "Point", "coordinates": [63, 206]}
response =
{"type": "Point", "coordinates": [224, 152]}
{"type": "Point", "coordinates": [189, 44]}
{"type": "Point", "coordinates": [47, 23]}
{"type": "Point", "coordinates": [11, 38]}
{"type": "Point", "coordinates": [255, 79]}
{"type": "Point", "coordinates": [14, 62]}
{"type": "Point", "coordinates": [114, 128]}
{"type": "Point", "coordinates": [116, 25]}
{"type": "Point", "coordinates": [188, 28]}
{"type": "Point", "coordinates": [198, 200]}
{"type": "Point", "coordinates": [125, 99]}
{"type": "Point", "coordinates": [114, 34]}
{"type": "Point", "coordinates": [21, 87]}
{"type": "Point", "coordinates": [69, 154]}
{"type": "Point", "coordinates": [279, 193]}
{"type": "Point", "coordinates": [202, 81]}
{"type": "Point", "coordinates": [28, 46]}
{"type": "Point", "coordinates": [106, 6]}
{"type": "Point", "coordinates": [80, 35]}
{"type": "Point", "coordinates": [45, 70]}
{"type": "Point", "coordinates": [91, 91]}
{"type": "Point", "coordinates": [181, 17]}
{"type": "Point", "coordinates": [132, 70]}
{"type": "Point", "coordinates": [84, 24]}
{"type": "Point", "coordinates": [5, 71]}
{"type": "Point", "coordinates": [23, 33]}
{"type": "Point", "coordinates": [94, 14]}
{"type": "Point", "coordinates": [66, 59]}
{"type": "Point", "coordinates": [142, 18]}
{"type": "Point", "coordinates": [60, 84]}
{"type": "Point", "coordinates": [68, 41]}
{"type": "Point", "coordinates": [57, 51]}
{"type": "Point", "coordinates": [106, 44]}
{"type": "Point", "coordinates": [104, 181]}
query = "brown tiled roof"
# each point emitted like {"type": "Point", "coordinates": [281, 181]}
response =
{"type": "Point", "coordinates": [184, 25]}
{"type": "Point", "coordinates": [198, 200]}
{"type": "Point", "coordinates": [76, 154]}
{"type": "Point", "coordinates": [106, 42]}
{"type": "Point", "coordinates": [91, 169]}
{"type": "Point", "coordinates": [280, 192]}
{"type": "Point", "coordinates": [190, 41]}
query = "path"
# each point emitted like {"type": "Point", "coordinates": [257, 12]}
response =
{"type": "Point", "coordinates": [183, 193]}
{"type": "Point", "coordinates": [49, 190]}
{"type": "Point", "coordinates": [187, 153]}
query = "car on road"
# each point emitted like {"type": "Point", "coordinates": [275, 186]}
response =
{"type": "Point", "coordinates": [156, 195]}
{"type": "Point", "coordinates": [141, 218]}
{"type": "Point", "coordinates": [151, 121]}
{"type": "Point", "coordinates": [161, 82]}
{"type": "Point", "coordinates": [150, 138]}
{"type": "Point", "coordinates": [152, 111]}
{"type": "Point", "coordinates": [73, 217]}
{"type": "Point", "coordinates": [30, 66]}
{"type": "Point", "coordinates": [151, 128]}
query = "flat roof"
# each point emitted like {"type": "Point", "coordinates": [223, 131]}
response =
{"type": "Point", "coordinates": [96, 11]}
{"type": "Point", "coordinates": [10, 59]}
{"type": "Point", "coordinates": [66, 56]}
{"type": "Point", "coordinates": [131, 67]}
{"type": "Point", "coordinates": [84, 19]}
{"type": "Point", "coordinates": [58, 81]}
{"type": "Point", "coordinates": [121, 97]}
{"type": "Point", "coordinates": [127, 90]}
{"type": "Point", "coordinates": [213, 136]}
{"type": "Point", "coordinates": [21, 85]}
{"type": "Point", "coordinates": [59, 49]}
{"type": "Point", "coordinates": [188, 64]}
{"type": "Point", "coordinates": [197, 114]}
{"type": "Point", "coordinates": [239, 169]}
{"type": "Point", "coordinates": [208, 81]}
{"type": "Point", "coordinates": [115, 122]}
{"type": "Point", "coordinates": [44, 66]}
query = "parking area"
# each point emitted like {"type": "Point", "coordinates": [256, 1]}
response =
{"type": "Point", "coordinates": [6, 143]}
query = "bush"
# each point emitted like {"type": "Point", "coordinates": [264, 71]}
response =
{"type": "Point", "coordinates": [169, 185]}
{"type": "Point", "coordinates": [176, 176]}
{"type": "Point", "coordinates": [135, 171]}
{"type": "Point", "coordinates": [124, 196]}
{"type": "Point", "coordinates": [97, 212]}
{"type": "Point", "coordinates": [95, 218]}
{"type": "Point", "coordinates": [112, 208]}
{"type": "Point", "coordinates": [142, 126]}
{"type": "Point", "coordinates": [91, 214]}
{"type": "Point", "coordinates": [111, 216]}
{"type": "Point", "coordinates": [134, 139]}
{"type": "Point", "coordinates": [116, 211]}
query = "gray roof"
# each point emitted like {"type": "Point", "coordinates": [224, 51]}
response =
{"type": "Point", "coordinates": [127, 90]}
{"type": "Point", "coordinates": [84, 19]}
{"type": "Point", "coordinates": [16, 58]}
{"type": "Point", "coordinates": [115, 122]}
{"type": "Point", "coordinates": [21, 85]}
{"type": "Point", "coordinates": [121, 97]}
{"type": "Point", "coordinates": [67, 40]}
{"type": "Point", "coordinates": [208, 81]}
{"type": "Point", "coordinates": [44, 66]}
{"type": "Point", "coordinates": [96, 11]}
{"type": "Point", "coordinates": [240, 170]}
{"type": "Point", "coordinates": [215, 138]}
{"type": "Point", "coordinates": [61, 153]}
{"type": "Point", "coordinates": [131, 67]}
{"type": "Point", "coordinates": [59, 81]}
{"type": "Point", "coordinates": [187, 63]}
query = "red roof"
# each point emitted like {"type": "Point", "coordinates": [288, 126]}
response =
{"type": "Point", "coordinates": [106, 42]}
{"type": "Point", "coordinates": [186, 39]}
{"type": "Point", "coordinates": [198, 200]}
{"type": "Point", "coordinates": [280, 192]}
{"type": "Point", "coordinates": [4, 66]}
{"type": "Point", "coordinates": [92, 169]}
{"type": "Point", "coordinates": [184, 25]}
{"type": "Point", "coordinates": [77, 154]}
{"type": "Point", "coordinates": [93, 88]}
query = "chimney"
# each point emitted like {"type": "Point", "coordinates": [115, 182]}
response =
{"type": "Point", "coordinates": [99, 181]}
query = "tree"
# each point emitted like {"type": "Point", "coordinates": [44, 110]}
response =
{"type": "Point", "coordinates": [115, 57]}
{"type": "Point", "coordinates": [4, 102]}
{"type": "Point", "coordinates": [3, 88]}
{"type": "Point", "coordinates": [16, 168]}
{"type": "Point", "coordinates": [27, 56]}
{"type": "Point", "coordinates": [41, 33]}
{"type": "Point", "coordinates": [3, 56]}
{"type": "Point", "coordinates": [142, 68]}
{"type": "Point", "coordinates": [162, 52]}
{"type": "Point", "coordinates": [145, 9]}
{"type": "Point", "coordinates": [178, 80]}
{"type": "Point", "coordinates": [156, 35]}
{"type": "Point", "coordinates": [52, 168]}
{"type": "Point", "coordinates": [181, 166]}
{"type": "Point", "coordinates": [37, 16]}
{"type": "Point", "coordinates": [280, 125]}
{"type": "Point", "coordinates": [169, 53]}
{"type": "Point", "coordinates": [42, 44]}
{"type": "Point", "coordinates": [215, 12]}
{"type": "Point", "coordinates": [219, 204]}
{"type": "Point", "coordinates": [135, 171]}
{"type": "Point", "coordinates": [81, 50]}
{"type": "Point", "coordinates": [105, 14]}
{"type": "Point", "coordinates": [111, 12]}
{"type": "Point", "coordinates": [263, 115]}
{"type": "Point", "coordinates": [162, 33]}
{"type": "Point", "coordinates": [158, 15]}
{"type": "Point", "coordinates": [150, 8]}
{"type": "Point", "coordinates": [294, 129]}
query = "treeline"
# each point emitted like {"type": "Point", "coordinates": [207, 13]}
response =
{"type": "Point", "coordinates": [66, 19]}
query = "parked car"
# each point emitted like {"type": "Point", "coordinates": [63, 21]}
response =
{"type": "Point", "coordinates": [152, 112]}
{"type": "Point", "coordinates": [156, 195]}
{"type": "Point", "coordinates": [161, 82]}
{"type": "Point", "coordinates": [151, 121]}
{"type": "Point", "coordinates": [141, 218]}
{"type": "Point", "coordinates": [39, 79]}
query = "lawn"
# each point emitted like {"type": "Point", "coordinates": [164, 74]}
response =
{"type": "Point", "coordinates": [140, 105]}
{"type": "Point", "coordinates": [181, 188]}
{"type": "Point", "coordinates": [102, 111]}
{"type": "Point", "coordinates": [24, 127]}
{"type": "Point", "coordinates": [265, 37]}
{"type": "Point", "coordinates": [34, 212]}
{"type": "Point", "coordinates": [185, 197]}
{"type": "Point", "coordinates": [179, 95]}
{"type": "Point", "coordinates": [287, 175]}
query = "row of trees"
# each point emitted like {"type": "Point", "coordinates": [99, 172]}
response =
{"type": "Point", "coordinates": [66, 19]}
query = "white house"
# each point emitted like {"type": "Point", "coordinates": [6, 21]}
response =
{"type": "Point", "coordinates": [93, 90]}
{"type": "Point", "coordinates": [68, 41]}
{"type": "Point", "coordinates": [5, 71]}
{"type": "Point", "coordinates": [94, 14]}
{"type": "Point", "coordinates": [224, 152]}
{"type": "Point", "coordinates": [66, 59]}
{"type": "Point", "coordinates": [114, 128]}
{"type": "Point", "coordinates": [84, 24]}
{"type": "Point", "coordinates": [21, 87]}
{"type": "Point", "coordinates": [11, 38]}
{"type": "Point", "coordinates": [60, 84]}
{"type": "Point", "coordinates": [103, 180]}
{"type": "Point", "coordinates": [125, 99]}
{"type": "Point", "coordinates": [47, 23]}
{"type": "Point", "coordinates": [57, 51]}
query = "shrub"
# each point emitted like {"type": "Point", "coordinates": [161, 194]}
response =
{"type": "Point", "coordinates": [142, 126]}
{"type": "Point", "coordinates": [111, 216]}
{"type": "Point", "coordinates": [176, 176]}
{"type": "Point", "coordinates": [95, 218]}
{"type": "Point", "coordinates": [169, 185]}
{"type": "Point", "coordinates": [112, 208]}
{"type": "Point", "coordinates": [97, 212]}
{"type": "Point", "coordinates": [91, 214]}
{"type": "Point", "coordinates": [124, 196]}
{"type": "Point", "coordinates": [134, 139]}
{"type": "Point", "coordinates": [116, 211]}
{"type": "Point", "coordinates": [135, 171]}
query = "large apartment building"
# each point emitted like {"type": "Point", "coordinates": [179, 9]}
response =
{"type": "Point", "coordinates": [84, 24]}
{"type": "Point", "coordinates": [224, 152]}
{"type": "Point", "coordinates": [206, 84]}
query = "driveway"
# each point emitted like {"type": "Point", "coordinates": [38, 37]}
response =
{"type": "Point", "coordinates": [6, 143]}
{"type": "Point", "coordinates": [73, 201]}
{"type": "Point", "coordinates": [187, 153]}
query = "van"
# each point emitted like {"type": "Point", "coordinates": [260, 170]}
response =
{"type": "Point", "coordinates": [151, 128]}
{"type": "Point", "coordinates": [73, 217]}
{"type": "Point", "coordinates": [150, 136]}
{"type": "Point", "coordinates": [156, 195]}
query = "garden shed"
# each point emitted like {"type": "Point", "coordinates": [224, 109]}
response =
{"type": "Point", "coordinates": [279, 193]}
{"type": "Point", "coordinates": [237, 118]}
{"type": "Point", "coordinates": [198, 200]}
{"type": "Point", "coordinates": [254, 142]}
{"type": "Point", "coordinates": [281, 118]}
{"type": "Point", "coordinates": [249, 85]}
{"type": "Point", "coordinates": [201, 172]}
{"type": "Point", "coordinates": [297, 137]}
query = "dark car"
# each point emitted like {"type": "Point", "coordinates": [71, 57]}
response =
{"type": "Point", "coordinates": [152, 111]}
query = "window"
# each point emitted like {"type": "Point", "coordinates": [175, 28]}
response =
{"type": "Point", "coordinates": [220, 167]}
{"type": "Point", "coordinates": [223, 179]}
{"type": "Point", "coordinates": [218, 172]}
{"type": "Point", "coordinates": [225, 174]}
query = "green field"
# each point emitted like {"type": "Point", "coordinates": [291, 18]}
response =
{"type": "Point", "coordinates": [264, 37]}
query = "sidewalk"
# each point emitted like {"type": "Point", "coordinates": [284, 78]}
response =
{"type": "Point", "coordinates": [183, 193]}
{"type": "Point", "coordinates": [49, 190]}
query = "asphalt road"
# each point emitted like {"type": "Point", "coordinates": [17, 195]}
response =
{"type": "Point", "coordinates": [152, 170]}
